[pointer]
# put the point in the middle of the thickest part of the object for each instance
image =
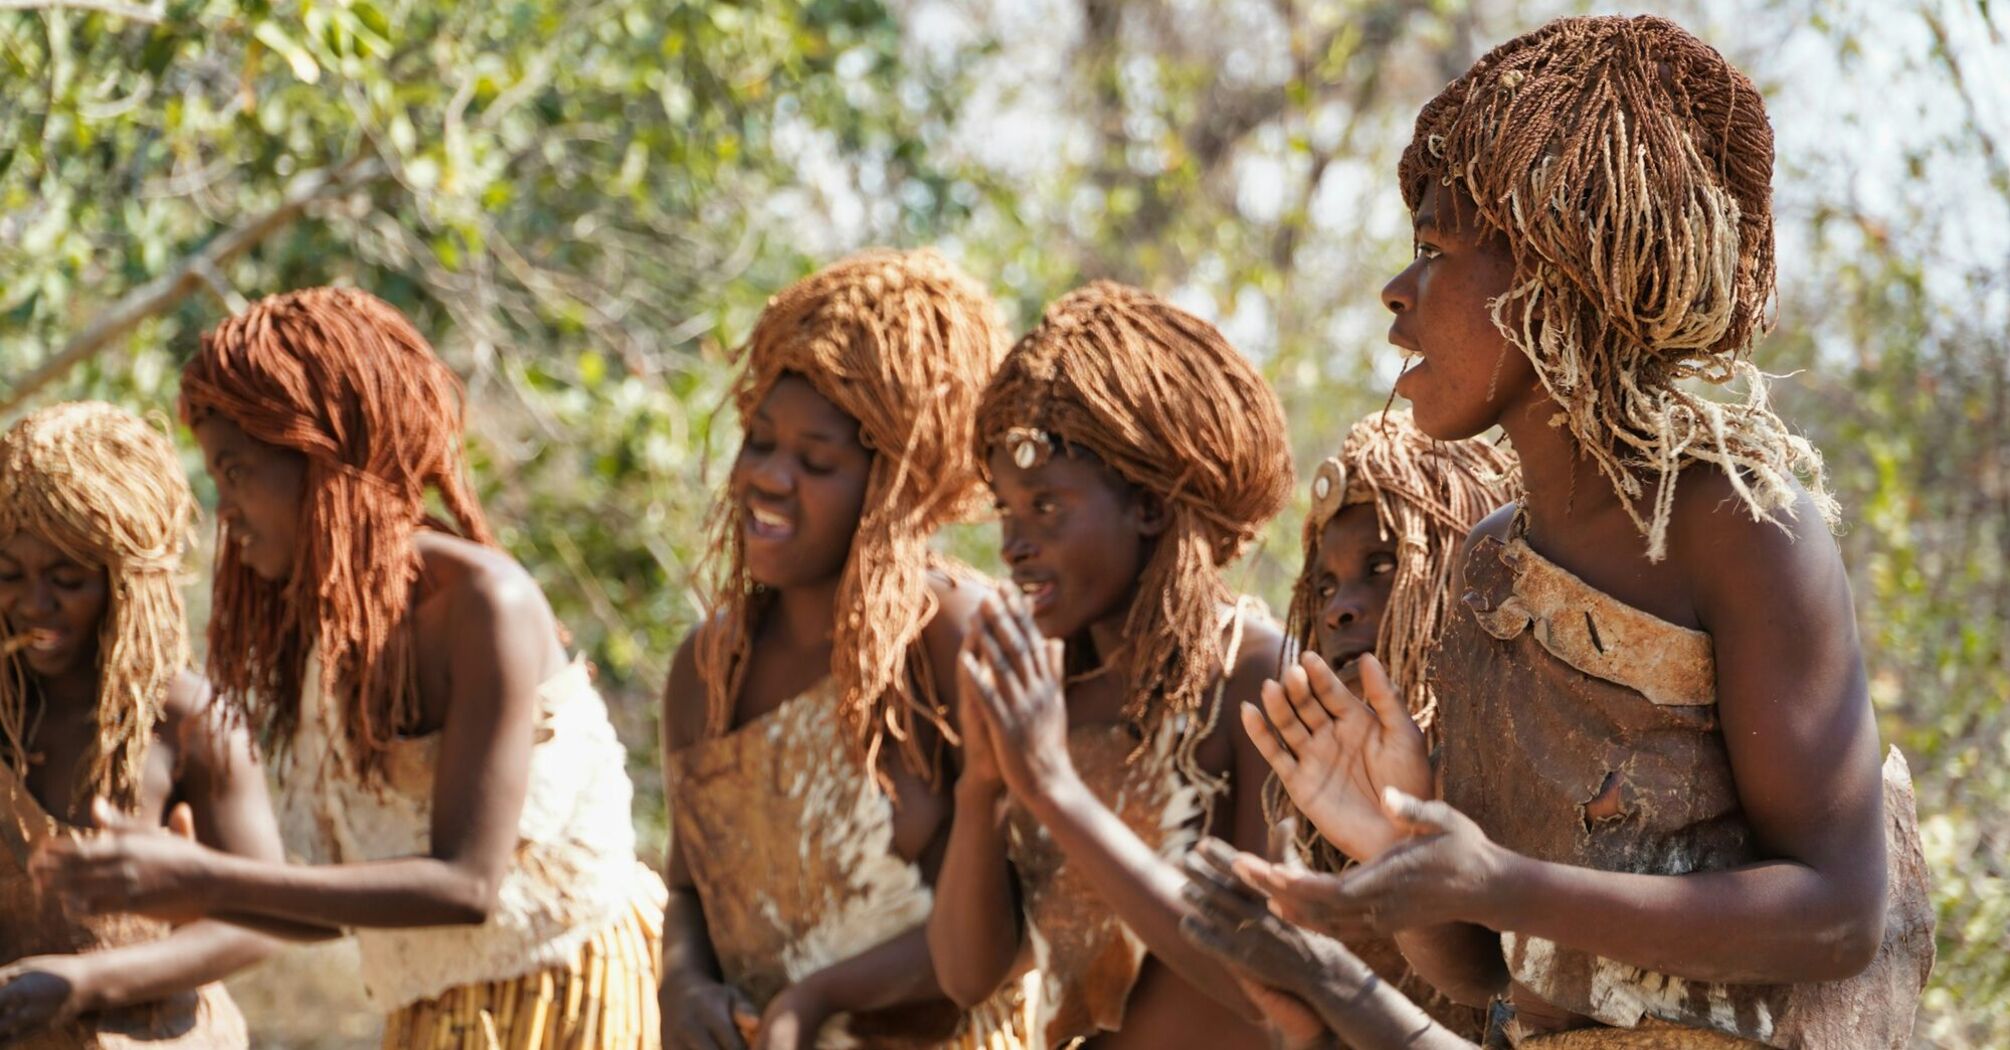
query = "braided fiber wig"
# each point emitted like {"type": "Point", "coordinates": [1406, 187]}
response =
{"type": "Point", "coordinates": [902, 342]}
{"type": "Point", "coordinates": [342, 378]}
{"type": "Point", "coordinates": [1162, 399]}
{"type": "Point", "coordinates": [1629, 168]}
{"type": "Point", "coordinates": [1427, 495]}
{"type": "Point", "coordinates": [105, 488]}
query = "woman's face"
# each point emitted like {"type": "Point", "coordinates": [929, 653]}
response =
{"type": "Point", "coordinates": [259, 492]}
{"type": "Point", "coordinates": [53, 602]}
{"type": "Point", "coordinates": [799, 486]}
{"type": "Point", "coordinates": [1354, 569]}
{"type": "Point", "coordinates": [1075, 535]}
{"type": "Point", "coordinates": [1464, 374]}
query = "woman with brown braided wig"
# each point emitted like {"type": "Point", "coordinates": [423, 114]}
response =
{"type": "Point", "coordinates": [102, 725]}
{"type": "Point", "coordinates": [1661, 820]}
{"type": "Point", "coordinates": [1132, 453]}
{"type": "Point", "coordinates": [1388, 516]}
{"type": "Point", "coordinates": [805, 719]}
{"type": "Point", "coordinates": [447, 772]}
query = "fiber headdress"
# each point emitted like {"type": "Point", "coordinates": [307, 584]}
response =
{"type": "Point", "coordinates": [106, 489]}
{"type": "Point", "coordinates": [1162, 399]}
{"type": "Point", "coordinates": [342, 378]}
{"type": "Point", "coordinates": [1427, 494]}
{"type": "Point", "coordinates": [1629, 167]}
{"type": "Point", "coordinates": [903, 342]}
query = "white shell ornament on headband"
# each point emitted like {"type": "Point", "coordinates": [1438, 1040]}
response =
{"type": "Point", "coordinates": [1329, 489]}
{"type": "Point", "coordinates": [1028, 446]}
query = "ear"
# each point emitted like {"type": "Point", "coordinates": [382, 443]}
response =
{"type": "Point", "coordinates": [1149, 513]}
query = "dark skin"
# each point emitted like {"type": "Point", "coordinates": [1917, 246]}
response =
{"type": "Point", "coordinates": [485, 641]}
{"type": "Point", "coordinates": [200, 774]}
{"type": "Point", "coordinates": [800, 480]}
{"type": "Point", "coordinates": [1077, 538]}
{"type": "Point", "coordinates": [1790, 692]}
{"type": "Point", "coordinates": [1354, 569]}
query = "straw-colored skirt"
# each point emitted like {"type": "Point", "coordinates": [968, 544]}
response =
{"type": "Point", "coordinates": [604, 1000]}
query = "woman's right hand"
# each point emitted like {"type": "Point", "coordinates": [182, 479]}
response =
{"type": "Point", "coordinates": [1334, 753]}
{"type": "Point", "coordinates": [703, 1014]}
{"type": "Point", "coordinates": [980, 757]}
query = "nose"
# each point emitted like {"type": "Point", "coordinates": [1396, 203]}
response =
{"type": "Point", "coordinates": [1343, 608]}
{"type": "Point", "coordinates": [41, 599]}
{"type": "Point", "coordinates": [1015, 547]}
{"type": "Point", "coordinates": [1400, 294]}
{"type": "Point", "coordinates": [769, 476]}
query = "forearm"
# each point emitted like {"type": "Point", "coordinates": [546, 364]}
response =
{"type": "Point", "coordinates": [189, 957]}
{"type": "Point", "coordinates": [1368, 1013]}
{"type": "Point", "coordinates": [973, 931]}
{"type": "Point", "coordinates": [279, 929]}
{"type": "Point", "coordinates": [396, 894]}
{"type": "Point", "coordinates": [1143, 888]}
{"type": "Point", "coordinates": [687, 946]}
{"type": "Point", "coordinates": [1773, 922]}
{"type": "Point", "coordinates": [895, 973]}
{"type": "Point", "coordinates": [1459, 959]}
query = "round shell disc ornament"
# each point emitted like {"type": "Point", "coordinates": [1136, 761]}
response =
{"type": "Point", "coordinates": [1329, 488]}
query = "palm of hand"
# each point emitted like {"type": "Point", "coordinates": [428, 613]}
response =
{"type": "Point", "coordinates": [1335, 754]}
{"type": "Point", "coordinates": [1339, 778]}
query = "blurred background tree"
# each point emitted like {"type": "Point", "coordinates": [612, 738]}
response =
{"type": "Point", "coordinates": [585, 204]}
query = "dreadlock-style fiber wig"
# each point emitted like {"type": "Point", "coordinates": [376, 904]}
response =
{"type": "Point", "coordinates": [1162, 399]}
{"type": "Point", "coordinates": [1628, 167]}
{"type": "Point", "coordinates": [1427, 495]}
{"type": "Point", "coordinates": [342, 378]}
{"type": "Point", "coordinates": [903, 342]}
{"type": "Point", "coordinates": [105, 488]}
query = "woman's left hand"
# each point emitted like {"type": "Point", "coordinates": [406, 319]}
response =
{"type": "Point", "coordinates": [1446, 871]}
{"type": "Point", "coordinates": [162, 873]}
{"type": "Point", "coordinates": [1023, 694]}
{"type": "Point", "coordinates": [40, 992]}
{"type": "Point", "coordinates": [792, 1019]}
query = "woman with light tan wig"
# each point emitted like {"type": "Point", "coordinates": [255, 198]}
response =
{"type": "Point", "coordinates": [103, 726]}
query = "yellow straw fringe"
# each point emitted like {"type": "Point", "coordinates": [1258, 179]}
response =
{"type": "Point", "coordinates": [605, 999]}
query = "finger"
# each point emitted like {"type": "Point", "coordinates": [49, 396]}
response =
{"type": "Point", "coordinates": [1257, 728]}
{"type": "Point", "coordinates": [1418, 816]}
{"type": "Point", "coordinates": [1382, 699]}
{"type": "Point", "coordinates": [181, 821]}
{"type": "Point", "coordinates": [1278, 707]}
{"type": "Point", "coordinates": [1057, 659]}
{"type": "Point", "coordinates": [105, 816]}
{"type": "Point", "coordinates": [1207, 935]}
{"type": "Point", "coordinates": [1011, 636]}
{"type": "Point", "coordinates": [1284, 844]}
{"type": "Point", "coordinates": [1326, 696]}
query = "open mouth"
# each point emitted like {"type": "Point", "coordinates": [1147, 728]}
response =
{"type": "Point", "coordinates": [768, 525]}
{"type": "Point", "coordinates": [1039, 593]}
{"type": "Point", "coordinates": [1347, 662]}
{"type": "Point", "coordinates": [37, 640]}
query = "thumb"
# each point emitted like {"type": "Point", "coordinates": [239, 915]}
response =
{"type": "Point", "coordinates": [1057, 656]}
{"type": "Point", "coordinates": [181, 821]}
{"type": "Point", "coordinates": [1417, 816]}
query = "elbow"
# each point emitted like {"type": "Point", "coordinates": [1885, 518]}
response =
{"type": "Point", "coordinates": [1848, 946]}
{"type": "Point", "coordinates": [965, 991]}
{"type": "Point", "coordinates": [470, 901]}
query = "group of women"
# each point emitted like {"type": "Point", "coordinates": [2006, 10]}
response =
{"type": "Point", "coordinates": [1565, 746]}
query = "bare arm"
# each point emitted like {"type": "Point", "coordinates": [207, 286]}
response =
{"type": "Point", "coordinates": [1025, 706]}
{"type": "Point", "coordinates": [974, 928]}
{"type": "Point", "coordinates": [1803, 747]}
{"type": "Point", "coordinates": [504, 639]}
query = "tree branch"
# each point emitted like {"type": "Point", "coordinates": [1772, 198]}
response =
{"type": "Point", "coordinates": [167, 291]}
{"type": "Point", "coordinates": [151, 14]}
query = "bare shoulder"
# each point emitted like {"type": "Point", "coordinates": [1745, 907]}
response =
{"type": "Point", "coordinates": [1257, 659]}
{"type": "Point", "coordinates": [200, 730]}
{"type": "Point", "coordinates": [957, 596]}
{"type": "Point", "coordinates": [684, 706]}
{"type": "Point", "coordinates": [1728, 554]}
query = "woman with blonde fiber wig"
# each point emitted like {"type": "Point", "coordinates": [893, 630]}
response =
{"type": "Point", "coordinates": [104, 727]}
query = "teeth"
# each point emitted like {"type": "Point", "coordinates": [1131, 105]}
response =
{"type": "Point", "coordinates": [1409, 354]}
{"type": "Point", "coordinates": [769, 519]}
